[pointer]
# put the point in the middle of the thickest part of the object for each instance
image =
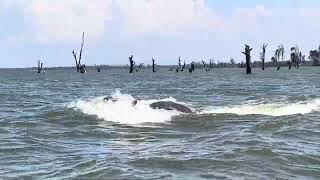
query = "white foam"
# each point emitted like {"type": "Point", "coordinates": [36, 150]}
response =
{"type": "Point", "coordinates": [275, 109]}
{"type": "Point", "coordinates": [123, 111]}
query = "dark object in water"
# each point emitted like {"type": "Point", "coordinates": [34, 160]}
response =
{"type": "Point", "coordinates": [169, 105]}
{"type": "Point", "coordinates": [39, 67]}
{"type": "Point", "coordinates": [110, 98]}
{"type": "Point", "coordinates": [134, 103]}
{"type": "Point", "coordinates": [80, 68]}
{"type": "Point", "coordinates": [132, 63]}
{"type": "Point", "coordinates": [248, 58]}
{"type": "Point", "coordinates": [278, 68]}
{"type": "Point", "coordinates": [107, 98]}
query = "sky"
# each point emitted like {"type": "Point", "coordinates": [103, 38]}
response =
{"type": "Point", "coordinates": [48, 30]}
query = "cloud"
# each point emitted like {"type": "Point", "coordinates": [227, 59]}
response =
{"type": "Point", "coordinates": [244, 18]}
{"type": "Point", "coordinates": [55, 21]}
{"type": "Point", "coordinates": [48, 21]}
{"type": "Point", "coordinates": [167, 16]}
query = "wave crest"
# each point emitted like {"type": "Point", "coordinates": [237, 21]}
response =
{"type": "Point", "coordinates": [123, 111]}
{"type": "Point", "coordinates": [273, 109]}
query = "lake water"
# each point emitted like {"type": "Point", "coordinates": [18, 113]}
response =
{"type": "Point", "coordinates": [261, 126]}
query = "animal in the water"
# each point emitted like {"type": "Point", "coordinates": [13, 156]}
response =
{"type": "Point", "coordinates": [169, 105]}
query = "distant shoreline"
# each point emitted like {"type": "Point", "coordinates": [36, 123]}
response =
{"type": "Point", "coordinates": [256, 64]}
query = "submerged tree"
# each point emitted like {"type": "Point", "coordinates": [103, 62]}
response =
{"type": "Point", "coordinates": [314, 56]}
{"type": "Point", "coordinates": [97, 67]}
{"type": "Point", "coordinates": [153, 65]}
{"type": "Point", "coordinates": [80, 68]}
{"type": "Point", "coordinates": [211, 63]}
{"type": "Point", "coordinates": [263, 54]}
{"type": "Point", "coordinates": [132, 63]}
{"type": "Point", "coordinates": [295, 58]}
{"type": "Point", "coordinates": [191, 68]}
{"type": "Point", "coordinates": [140, 66]}
{"type": "Point", "coordinates": [232, 62]}
{"type": "Point", "coordinates": [247, 52]}
{"type": "Point", "coordinates": [278, 54]}
{"type": "Point", "coordinates": [206, 68]}
{"type": "Point", "coordinates": [39, 67]}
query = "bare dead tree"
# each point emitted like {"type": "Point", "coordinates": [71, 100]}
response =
{"type": "Point", "coordinates": [263, 54]}
{"type": "Point", "coordinates": [191, 68]}
{"type": "Point", "coordinates": [39, 67]}
{"type": "Point", "coordinates": [140, 66]}
{"type": "Point", "coordinates": [295, 58]}
{"type": "Point", "coordinates": [279, 53]}
{"type": "Point", "coordinates": [184, 65]}
{"type": "Point", "coordinates": [300, 60]}
{"type": "Point", "coordinates": [210, 64]}
{"type": "Point", "coordinates": [76, 60]}
{"type": "Point", "coordinates": [205, 66]}
{"type": "Point", "coordinates": [80, 68]}
{"type": "Point", "coordinates": [179, 65]}
{"type": "Point", "coordinates": [247, 52]}
{"type": "Point", "coordinates": [132, 63]}
{"type": "Point", "coordinates": [153, 65]}
{"type": "Point", "coordinates": [98, 68]}
{"type": "Point", "coordinates": [241, 65]}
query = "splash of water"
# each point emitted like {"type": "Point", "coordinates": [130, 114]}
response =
{"type": "Point", "coordinates": [123, 111]}
{"type": "Point", "coordinates": [273, 109]}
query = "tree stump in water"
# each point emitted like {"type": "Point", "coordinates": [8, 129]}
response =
{"type": "Point", "coordinates": [247, 52]}
{"type": "Point", "coordinates": [263, 54]}
{"type": "Point", "coordinates": [153, 65]}
{"type": "Point", "coordinates": [132, 63]}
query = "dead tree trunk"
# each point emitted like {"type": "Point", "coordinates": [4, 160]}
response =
{"type": "Point", "coordinates": [241, 66]}
{"type": "Point", "coordinates": [132, 63]}
{"type": "Point", "coordinates": [76, 60]}
{"type": "Point", "coordinates": [300, 59]}
{"type": "Point", "coordinates": [263, 54]}
{"type": "Point", "coordinates": [191, 68]}
{"type": "Point", "coordinates": [184, 65]}
{"type": "Point", "coordinates": [248, 58]}
{"type": "Point", "coordinates": [39, 67]}
{"type": "Point", "coordinates": [180, 67]}
{"type": "Point", "coordinates": [80, 68]}
{"type": "Point", "coordinates": [210, 64]}
{"type": "Point", "coordinates": [205, 66]}
{"type": "Point", "coordinates": [153, 65]}
{"type": "Point", "coordinates": [98, 68]}
{"type": "Point", "coordinates": [140, 66]}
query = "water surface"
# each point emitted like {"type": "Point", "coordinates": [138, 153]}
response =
{"type": "Point", "coordinates": [260, 126]}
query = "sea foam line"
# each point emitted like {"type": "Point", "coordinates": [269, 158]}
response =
{"type": "Point", "coordinates": [272, 109]}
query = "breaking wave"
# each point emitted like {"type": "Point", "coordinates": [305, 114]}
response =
{"type": "Point", "coordinates": [273, 109]}
{"type": "Point", "coordinates": [123, 111]}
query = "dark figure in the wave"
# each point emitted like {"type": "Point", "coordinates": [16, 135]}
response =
{"type": "Point", "coordinates": [169, 105]}
{"type": "Point", "coordinates": [110, 98]}
{"type": "Point", "coordinates": [135, 102]}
